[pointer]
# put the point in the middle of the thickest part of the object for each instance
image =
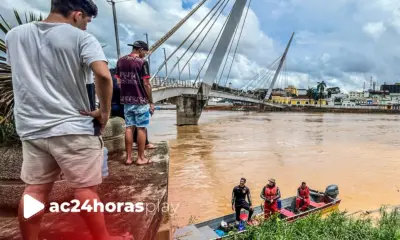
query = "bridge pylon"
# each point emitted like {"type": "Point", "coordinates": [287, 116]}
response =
{"type": "Point", "coordinates": [189, 108]}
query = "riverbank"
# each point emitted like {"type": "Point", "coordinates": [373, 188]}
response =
{"type": "Point", "coordinates": [292, 109]}
{"type": "Point", "coordinates": [339, 110]}
{"type": "Point", "coordinates": [335, 226]}
{"type": "Point", "coordinates": [303, 109]}
{"type": "Point", "coordinates": [232, 108]}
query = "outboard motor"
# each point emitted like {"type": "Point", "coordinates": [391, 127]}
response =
{"type": "Point", "coordinates": [332, 191]}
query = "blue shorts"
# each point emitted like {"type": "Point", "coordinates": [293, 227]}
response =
{"type": "Point", "coordinates": [137, 115]}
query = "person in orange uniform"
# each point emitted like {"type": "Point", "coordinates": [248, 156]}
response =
{"type": "Point", "coordinates": [303, 197]}
{"type": "Point", "coordinates": [270, 194]}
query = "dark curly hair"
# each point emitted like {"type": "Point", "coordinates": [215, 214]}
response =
{"type": "Point", "coordinates": [65, 7]}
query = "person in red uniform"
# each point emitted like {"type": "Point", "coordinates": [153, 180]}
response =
{"type": "Point", "coordinates": [303, 197]}
{"type": "Point", "coordinates": [270, 194]}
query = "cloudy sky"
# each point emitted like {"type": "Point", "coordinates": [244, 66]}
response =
{"type": "Point", "coordinates": [343, 42]}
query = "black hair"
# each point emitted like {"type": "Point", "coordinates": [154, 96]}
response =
{"type": "Point", "coordinates": [65, 7]}
{"type": "Point", "coordinates": [244, 179]}
{"type": "Point", "coordinates": [136, 48]}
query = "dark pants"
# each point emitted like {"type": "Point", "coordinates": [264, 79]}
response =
{"type": "Point", "coordinates": [241, 206]}
{"type": "Point", "coordinates": [118, 111]}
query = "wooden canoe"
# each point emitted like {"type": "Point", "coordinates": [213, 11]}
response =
{"type": "Point", "coordinates": [206, 230]}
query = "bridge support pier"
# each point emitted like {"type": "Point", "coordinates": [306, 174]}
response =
{"type": "Point", "coordinates": [188, 109]}
{"type": "Point", "coordinates": [261, 108]}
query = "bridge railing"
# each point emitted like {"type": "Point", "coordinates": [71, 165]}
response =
{"type": "Point", "coordinates": [172, 82]}
{"type": "Point", "coordinates": [159, 82]}
{"type": "Point", "coordinates": [236, 92]}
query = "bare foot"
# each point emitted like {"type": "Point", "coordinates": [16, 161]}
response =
{"type": "Point", "coordinates": [128, 161]}
{"type": "Point", "coordinates": [143, 161]}
{"type": "Point", "coordinates": [150, 146]}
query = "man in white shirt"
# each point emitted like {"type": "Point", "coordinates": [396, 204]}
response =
{"type": "Point", "coordinates": [52, 62]}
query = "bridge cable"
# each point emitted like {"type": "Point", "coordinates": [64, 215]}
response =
{"type": "Point", "coordinates": [252, 85]}
{"type": "Point", "coordinates": [198, 35]}
{"type": "Point", "coordinates": [184, 41]}
{"type": "Point", "coordinates": [267, 78]}
{"type": "Point", "coordinates": [237, 45]}
{"type": "Point", "coordinates": [272, 74]}
{"type": "Point", "coordinates": [229, 51]}
{"type": "Point", "coordinates": [257, 76]}
{"type": "Point", "coordinates": [162, 40]}
{"type": "Point", "coordinates": [212, 48]}
{"type": "Point", "coordinates": [285, 74]}
{"type": "Point", "coordinates": [212, 25]}
{"type": "Point", "coordinates": [281, 78]}
{"type": "Point", "coordinates": [261, 76]}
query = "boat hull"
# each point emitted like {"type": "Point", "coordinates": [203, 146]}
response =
{"type": "Point", "coordinates": [206, 230]}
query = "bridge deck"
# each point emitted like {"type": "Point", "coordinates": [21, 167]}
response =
{"type": "Point", "coordinates": [174, 90]}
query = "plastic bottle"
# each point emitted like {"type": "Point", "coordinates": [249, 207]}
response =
{"type": "Point", "coordinates": [241, 225]}
{"type": "Point", "coordinates": [104, 169]}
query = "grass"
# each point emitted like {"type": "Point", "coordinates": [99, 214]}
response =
{"type": "Point", "coordinates": [336, 226]}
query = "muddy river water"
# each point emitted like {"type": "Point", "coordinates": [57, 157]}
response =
{"type": "Point", "coordinates": [358, 152]}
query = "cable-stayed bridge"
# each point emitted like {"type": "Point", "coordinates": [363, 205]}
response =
{"type": "Point", "coordinates": [191, 95]}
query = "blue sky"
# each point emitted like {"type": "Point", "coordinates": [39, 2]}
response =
{"type": "Point", "coordinates": [187, 4]}
{"type": "Point", "coordinates": [342, 42]}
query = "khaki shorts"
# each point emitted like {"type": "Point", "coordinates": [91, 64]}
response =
{"type": "Point", "coordinates": [79, 157]}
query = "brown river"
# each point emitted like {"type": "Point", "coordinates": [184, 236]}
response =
{"type": "Point", "coordinates": [358, 152]}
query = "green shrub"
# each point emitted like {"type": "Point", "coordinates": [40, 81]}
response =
{"type": "Point", "coordinates": [336, 226]}
{"type": "Point", "coordinates": [8, 135]}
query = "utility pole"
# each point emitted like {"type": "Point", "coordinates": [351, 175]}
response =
{"type": "Point", "coordinates": [179, 70]}
{"type": "Point", "coordinates": [115, 27]}
{"type": "Point", "coordinates": [147, 41]}
{"type": "Point", "coordinates": [166, 68]}
{"type": "Point", "coordinates": [189, 72]}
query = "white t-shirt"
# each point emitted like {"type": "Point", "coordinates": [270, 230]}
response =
{"type": "Point", "coordinates": [51, 78]}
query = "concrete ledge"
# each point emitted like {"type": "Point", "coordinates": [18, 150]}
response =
{"type": "Point", "coordinates": [147, 184]}
{"type": "Point", "coordinates": [165, 232]}
{"type": "Point", "coordinates": [115, 127]}
{"type": "Point", "coordinates": [115, 144]}
{"type": "Point", "coordinates": [10, 162]}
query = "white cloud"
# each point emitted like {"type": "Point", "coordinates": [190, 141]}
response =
{"type": "Point", "coordinates": [341, 42]}
{"type": "Point", "coordinates": [374, 29]}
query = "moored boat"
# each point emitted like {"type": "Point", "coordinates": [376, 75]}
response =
{"type": "Point", "coordinates": [321, 202]}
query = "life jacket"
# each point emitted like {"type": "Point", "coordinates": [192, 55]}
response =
{"type": "Point", "coordinates": [304, 193]}
{"type": "Point", "coordinates": [270, 193]}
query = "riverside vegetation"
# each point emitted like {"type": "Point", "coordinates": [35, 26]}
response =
{"type": "Point", "coordinates": [335, 226]}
